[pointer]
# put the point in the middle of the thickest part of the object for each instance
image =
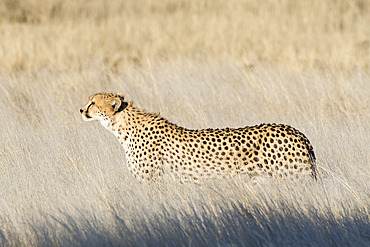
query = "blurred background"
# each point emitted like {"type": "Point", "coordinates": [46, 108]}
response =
{"type": "Point", "coordinates": [72, 34]}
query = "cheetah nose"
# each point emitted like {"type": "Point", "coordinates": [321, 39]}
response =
{"type": "Point", "coordinates": [81, 110]}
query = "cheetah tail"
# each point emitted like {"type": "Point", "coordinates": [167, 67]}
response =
{"type": "Point", "coordinates": [312, 160]}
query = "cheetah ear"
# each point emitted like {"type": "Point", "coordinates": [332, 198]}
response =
{"type": "Point", "coordinates": [118, 104]}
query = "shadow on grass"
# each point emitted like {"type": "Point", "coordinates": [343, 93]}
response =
{"type": "Point", "coordinates": [231, 226]}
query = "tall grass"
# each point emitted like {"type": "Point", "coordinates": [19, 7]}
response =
{"type": "Point", "coordinates": [201, 64]}
{"type": "Point", "coordinates": [64, 182]}
{"type": "Point", "coordinates": [291, 34]}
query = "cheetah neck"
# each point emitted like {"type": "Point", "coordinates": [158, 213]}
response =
{"type": "Point", "coordinates": [125, 125]}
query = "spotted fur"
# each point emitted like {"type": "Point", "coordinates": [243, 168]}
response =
{"type": "Point", "coordinates": [152, 143]}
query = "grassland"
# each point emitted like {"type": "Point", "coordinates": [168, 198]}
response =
{"type": "Point", "coordinates": [290, 34]}
{"type": "Point", "coordinates": [64, 181]}
{"type": "Point", "coordinates": [201, 64]}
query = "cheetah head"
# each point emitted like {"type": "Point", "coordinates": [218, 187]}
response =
{"type": "Point", "coordinates": [102, 106]}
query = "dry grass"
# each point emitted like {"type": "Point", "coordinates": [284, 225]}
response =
{"type": "Point", "coordinates": [290, 34]}
{"type": "Point", "coordinates": [64, 181]}
{"type": "Point", "coordinates": [201, 64]}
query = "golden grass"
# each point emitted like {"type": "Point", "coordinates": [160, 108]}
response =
{"type": "Point", "coordinates": [64, 181]}
{"type": "Point", "coordinates": [119, 33]}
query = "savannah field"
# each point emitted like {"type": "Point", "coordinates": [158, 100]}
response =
{"type": "Point", "coordinates": [200, 64]}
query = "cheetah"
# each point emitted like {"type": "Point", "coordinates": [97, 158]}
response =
{"type": "Point", "coordinates": [152, 143]}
